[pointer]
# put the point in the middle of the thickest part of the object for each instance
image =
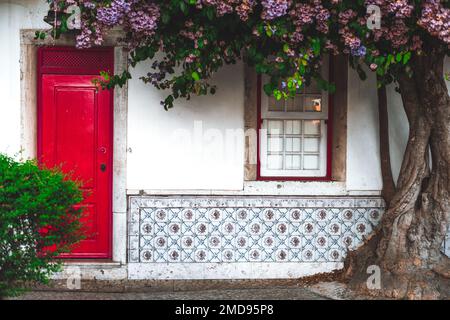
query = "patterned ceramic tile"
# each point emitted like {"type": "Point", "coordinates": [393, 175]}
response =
{"type": "Point", "coordinates": [249, 229]}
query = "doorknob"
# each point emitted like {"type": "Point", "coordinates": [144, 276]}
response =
{"type": "Point", "coordinates": [103, 167]}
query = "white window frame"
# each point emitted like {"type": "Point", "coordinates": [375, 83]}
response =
{"type": "Point", "coordinates": [273, 115]}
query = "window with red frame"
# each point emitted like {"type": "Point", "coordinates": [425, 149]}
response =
{"type": "Point", "coordinates": [294, 135]}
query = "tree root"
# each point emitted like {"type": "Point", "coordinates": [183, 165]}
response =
{"type": "Point", "coordinates": [405, 282]}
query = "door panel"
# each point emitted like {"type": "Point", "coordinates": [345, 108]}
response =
{"type": "Point", "coordinates": [76, 135]}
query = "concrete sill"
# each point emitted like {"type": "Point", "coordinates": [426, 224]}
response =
{"type": "Point", "coordinates": [93, 264]}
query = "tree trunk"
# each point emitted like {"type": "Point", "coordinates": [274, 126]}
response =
{"type": "Point", "coordinates": [407, 246]}
{"type": "Point", "coordinates": [388, 190]}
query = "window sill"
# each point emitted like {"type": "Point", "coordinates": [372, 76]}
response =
{"type": "Point", "coordinates": [296, 187]}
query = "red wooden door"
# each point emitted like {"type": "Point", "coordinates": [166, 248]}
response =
{"type": "Point", "coordinates": [76, 134]}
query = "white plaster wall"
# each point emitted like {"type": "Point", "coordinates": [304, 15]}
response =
{"type": "Point", "coordinates": [398, 129]}
{"type": "Point", "coordinates": [196, 145]}
{"type": "Point", "coordinates": [363, 156]}
{"type": "Point", "coordinates": [14, 15]}
{"type": "Point", "coordinates": [158, 160]}
{"type": "Point", "coordinates": [398, 125]}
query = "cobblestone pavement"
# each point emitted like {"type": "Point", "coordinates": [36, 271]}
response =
{"type": "Point", "coordinates": [235, 294]}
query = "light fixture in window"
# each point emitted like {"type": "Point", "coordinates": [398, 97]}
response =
{"type": "Point", "coordinates": [313, 104]}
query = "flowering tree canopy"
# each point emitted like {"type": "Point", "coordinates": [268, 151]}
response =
{"type": "Point", "coordinates": [404, 41]}
{"type": "Point", "coordinates": [285, 39]}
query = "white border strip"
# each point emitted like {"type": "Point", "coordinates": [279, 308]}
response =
{"type": "Point", "coordinates": [228, 271]}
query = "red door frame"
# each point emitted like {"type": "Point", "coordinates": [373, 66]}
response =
{"type": "Point", "coordinates": [328, 175]}
{"type": "Point", "coordinates": [72, 63]}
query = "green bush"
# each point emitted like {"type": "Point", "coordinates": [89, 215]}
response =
{"type": "Point", "coordinates": [38, 222]}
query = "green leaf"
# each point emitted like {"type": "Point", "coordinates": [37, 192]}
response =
{"type": "Point", "coordinates": [268, 90]}
{"type": "Point", "coordinates": [183, 7]}
{"type": "Point", "coordinates": [277, 94]}
{"type": "Point", "coordinates": [210, 13]}
{"type": "Point", "coordinates": [316, 46]}
{"type": "Point", "coordinates": [406, 57]}
{"type": "Point", "coordinates": [195, 76]}
{"type": "Point", "coordinates": [390, 59]}
{"type": "Point", "coordinates": [165, 18]}
{"type": "Point", "coordinates": [260, 69]}
{"type": "Point", "coordinates": [105, 75]}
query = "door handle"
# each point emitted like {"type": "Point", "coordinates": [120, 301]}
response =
{"type": "Point", "coordinates": [103, 167]}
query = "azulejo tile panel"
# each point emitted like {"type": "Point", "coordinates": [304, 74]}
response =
{"type": "Point", "coordinates": [248, 229]}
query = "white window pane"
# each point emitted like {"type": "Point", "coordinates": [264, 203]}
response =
{"type": "Point", "coordinates": [293, 127]}
{"type": "Point", "coordinates": [276, 105]}
{"type": "Point", "coordinates": [275, 144]}
{"type": "Point", "coordinates": [310, 162]}
{"type": "Point", "coordinates": [311, 127]}
{"type": "Point", "coordinates": [293, 144]}
{"type": "Point", "coordinates": [311, 145]}
{"type": "Point", "coordinates": [275, 126]}
{"type": "Point", "coordinates": [313, 103]}
{"type": "Point", "coordinates": [288, 142]}
{"type": "Point", "coordinates": [275, 162]}
{"type": "Point", "coordinates": [293, 162]}
{"type": "Point", "coordinates": [294, 104]}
